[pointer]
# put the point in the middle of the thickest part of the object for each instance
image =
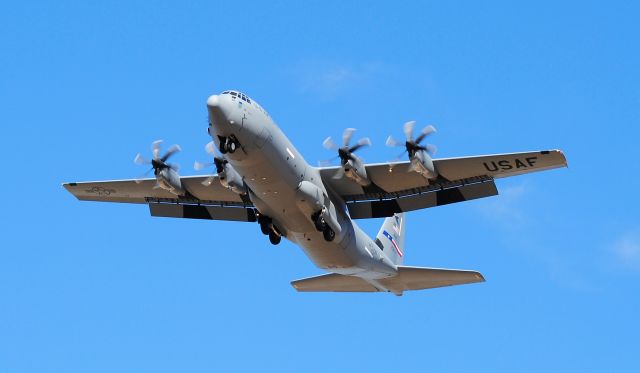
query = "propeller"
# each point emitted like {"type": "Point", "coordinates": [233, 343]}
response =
{"type": "Point", "coordinates": [412, 145]}
{"type": "Point", "coordinates": [158, 163]}
{"type": "Point", "coordinates": [345, 152]}
{"type": "Point", "coordinates": [218, 162]}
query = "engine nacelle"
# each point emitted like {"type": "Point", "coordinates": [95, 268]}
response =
{"type": "Point", "coordinates": [422, 163]}
{"type": "Point", "coordinates": [312, 199]}
{"type": "Point", "coordinates": [231, 179]}
{"type": "Point", "coordinates": [354, 169]}
{"type": "Point", "coordinates": [169, 180]}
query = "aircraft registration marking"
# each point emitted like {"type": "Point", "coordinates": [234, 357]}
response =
{"type": "Point", "coordinates": [506, 164]}
{"type": "Point", "coordinates": [100, 191]}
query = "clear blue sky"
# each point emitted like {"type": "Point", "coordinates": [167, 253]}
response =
{"type": "Point", "coordinates": [90, 287]}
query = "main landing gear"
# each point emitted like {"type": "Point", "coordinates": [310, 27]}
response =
{"type": "Point", "coordinates": [322, 226]}
{"type": "Point", "coordinates": [268, 229]}
{"type": "Point", "coordinates": [228, 144]}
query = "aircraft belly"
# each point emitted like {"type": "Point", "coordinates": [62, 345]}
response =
{"type": "Point", "coordinates": [273, 173]}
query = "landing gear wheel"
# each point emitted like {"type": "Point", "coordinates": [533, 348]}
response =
{"type": "Point", "coordinates": [274, 238]}
{"type": "Point", "coordinates": [318, 221]}
{"type": "Point", "coordinates": [223, 145]}
{"type": "Point", "coordinates": [265, 224]}
{"type": "Point", "coordinates": [328, 234]}
{"type": "Point", "coordinates": [231, 146]}
{"type": "Point", "coordinates": [265, 229]}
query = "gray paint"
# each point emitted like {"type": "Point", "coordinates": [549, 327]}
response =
{"type": "Point", "coordinates": [272, 178]}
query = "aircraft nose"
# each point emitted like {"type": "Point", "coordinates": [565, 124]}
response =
{"type": "Point", "coordinates": [217, 114]}
{"type": "Point", "coordinates": [213, 102]}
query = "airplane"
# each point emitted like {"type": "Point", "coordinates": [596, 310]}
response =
{"type": "Point", "coordinates": [261, 177]}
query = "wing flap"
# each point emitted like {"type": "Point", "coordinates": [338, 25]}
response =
{"type": "Point", "coordinates": [421, 200]}
{"type": "Point", "coordinates": [171, 210]}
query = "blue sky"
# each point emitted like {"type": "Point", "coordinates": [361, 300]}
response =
{"type": "Point", "coordinates": [106, 288]}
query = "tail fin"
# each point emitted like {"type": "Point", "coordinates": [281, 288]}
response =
{"type": "Point", "coordinates": [390, 238]}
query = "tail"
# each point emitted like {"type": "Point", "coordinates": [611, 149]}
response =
{"type": "Point", "coordinates": [390, 238]}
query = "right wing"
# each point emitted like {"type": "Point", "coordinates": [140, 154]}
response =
{"type": "Point", "coordinates": [395, 188]}
{"type": "Point", "coordinates": [213, 201]}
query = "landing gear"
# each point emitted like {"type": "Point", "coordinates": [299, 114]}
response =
{"type": "Point", "coordinates": [265, 224]}
{"type": "Point", "coordinates": [228, 144]}
{"type": "Point", "coordinates": [322, 226]}
{"type": "Point", "coordinates": [318, 221]}
{"type": "Point", "coordinates": [274, 237]}
{"type": "Point", "coordinates": [267, 228]}
{"type": "Point", "coordinates": [328, 234]}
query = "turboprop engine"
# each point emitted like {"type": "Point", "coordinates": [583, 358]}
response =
{"type": "Point", "coordinates": [228, 176]}
{"type": "Point", "coordinates": [231, 179]}
{"type": "Point", "coordinates": [351, 166]}
{"type": "Point", "coordinates": [420, 156]}
{"type": "Point", "coordinates": [166, 174]}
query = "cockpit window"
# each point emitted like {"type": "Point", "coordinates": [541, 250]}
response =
{"type": "Point", "coordinates": [239, 95]}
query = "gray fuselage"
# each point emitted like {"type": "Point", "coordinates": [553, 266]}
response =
{"type": "Point", "coordinates": [276, 174]}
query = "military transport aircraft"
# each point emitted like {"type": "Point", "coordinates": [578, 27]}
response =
{"type": "Point", "coordinates": [261, 177]}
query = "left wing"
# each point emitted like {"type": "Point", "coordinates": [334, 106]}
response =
{"type": "Point", "coordinates": [395, 188]}
{"type": "Point", "coordinates": [206, 202]}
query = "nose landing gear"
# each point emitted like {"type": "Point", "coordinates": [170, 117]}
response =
{"type": "Point", "coordinates": [228, 144]}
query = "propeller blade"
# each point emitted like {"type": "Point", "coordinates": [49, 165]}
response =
{"type": "Point", "coordinates": [327, 162]}
{"type": "Point", "coordinates": [138, 180]}
{"type": "Point", "coordinates": [140, 160]}
{"type": "Point", "coordinates": [339, 174]}
{"type": "Point", "coordinates": [361, 143]}
{"type": "Point", "coordinates": [346, 136]}
{"type": "Point", "coordinates": [329, 144]}
{"type": "Point", "coordinates": [172, 150]}
{"type": "Point", "coordinates": [210, 148]}
{"type": "Point", "coordinates": [391, 142]}
{"type": "Point", "coordinates": [431, 149]}
{"type": "Point", "coordinates": [425, 132]}
{"type": "Point", "coordinates": [408, 130]}
{"type": "Point", "coordinates": [201, 166]}
{"type": "Point", "coordinates": [219, 163]}
{"type": "Point", "coordinates": [155, 148]}
{"type": "Point", "coordinates": [402, 154]}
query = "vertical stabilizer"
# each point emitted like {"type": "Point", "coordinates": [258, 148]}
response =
{"type": "Point", "coordinates": [391, 237]}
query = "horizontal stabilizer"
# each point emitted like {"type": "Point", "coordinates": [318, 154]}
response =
{"type": "Point", "coordinates": [333, 282]}
{"type": "Point", "coordinates": [408, 278]}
